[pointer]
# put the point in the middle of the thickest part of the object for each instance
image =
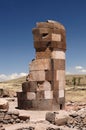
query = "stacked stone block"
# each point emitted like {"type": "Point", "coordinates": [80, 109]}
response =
{"type": "Point", "coordinates": [44, 89]}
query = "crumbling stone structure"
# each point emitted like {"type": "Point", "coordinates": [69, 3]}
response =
{"type": "Point", "coordinates": [45, 88]}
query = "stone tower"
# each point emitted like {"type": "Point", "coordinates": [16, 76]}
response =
{"type": "Point", "coordinates": [45, 88]}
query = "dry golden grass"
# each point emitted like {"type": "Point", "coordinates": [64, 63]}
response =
{"type": "Point", "coordinates": [13, 85]}
{"type": "Point", "coordinates": [76, 95]}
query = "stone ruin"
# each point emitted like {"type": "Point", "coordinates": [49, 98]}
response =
{"type": "Point", "coordinates": [44, 88]}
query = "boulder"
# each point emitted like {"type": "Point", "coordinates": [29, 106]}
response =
{"type": "Point", "coordinates": [50, 116]}
{"type": "Point", "coordinates": [57, 118]}
{"type": "Point", "coordinates": [4, 105]}
{"type": "Point", "coordinates": [61, 118]}
{"type": "Point", "coordinates": [4, 92]}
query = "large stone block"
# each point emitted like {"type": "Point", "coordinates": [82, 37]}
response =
{"type": "Point", "coordinates": [52, 44]}
{"type": "Point", "coordinates": [29, 86]}
{"type": "Point", "coordinates": [40, 31]}
{"type": "Point", "coordinates": [60, 75]}
{"type": "Point", "coordinates": [56, 95]}
{"type": "Point", "coordinates": [62, 85]}
{"type": "Point", "coordinates": [48, 37]}
{"type": "Point", "coordinates": [21, 96]}
{"type": "Point", "coordinates": [48, 75]}
{"type": "Point", "coordinates": [48, 94]}
{"type": "Point", "coordinates": [23, 103]}
{"type": "Point", "coordinates": [60, 45]}
{"type": "Point", "coordinates": [26, 104]}
{"type": "Point", "coordinates": [26, 95]}
{"type": "Point", "coordinates": [58, 64]}
{"type": "Point", "coordinates": [43, 104]}
{"type": "Point", "coordinates": [43, 54]}
{"type": "Point", "coordinates": [37, 75]}
{"type": "Point", "coordinates": [61, 93]}
{"type": "Point", "coordinates": [55, 85]}
{"type": "Point", "coordinates": [40, 64]}
{"type": "Point", "coordinates": [40, 44]}
{"type": "Point", "coordinates": [56, 54]}
{"type": "Point", "coordinates": [56, 37]}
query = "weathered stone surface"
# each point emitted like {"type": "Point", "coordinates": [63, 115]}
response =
{"type": "Point", "coordinates": [24, 117]}
{"type": "Point", "coordinates": [57, 118]}
{"type": "Point", "coordinates": [77, 120]}
{"type": "Point", "coordinates": [60, 75]}
{"type": "Point", "coordinates": [50, 24]}
{"type": "Point", "coordinates": [58, 64]}
{"type": "Point", "coordinates": [37, 75]}
{"type": "Point", "coordinates": [46, 80]}
{"type": "Point", "coordinates": [50, 116]}
{"type": "Point", "coordinates": [4, 105]}
{"type": "Point", "coordinates": [48, 94]}
{"type": "Point", "coordinates": [29, 86]}
{"type": "Point", "coordinates": [56, 85]}
{"type": "Point", "coordinates": [48, 75]}
{"type": "Point", "coordinates": [42, 45]}
{"type": "Point", "coordinates": [61, 118]}
{"type": "Point", "coordinates": [43, 104]}
{"type": "Point", "coordinates": [40, 64]}
{"type": "Point", "coordinates": [56, 54]}
{"type": "Point", "coordinates": [43, 54]}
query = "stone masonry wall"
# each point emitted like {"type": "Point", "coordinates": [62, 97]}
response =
{"type": "Point", "coordinates": [44, 89]}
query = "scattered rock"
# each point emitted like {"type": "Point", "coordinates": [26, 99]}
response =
{"type": "Point", "coordinates": [77, 120]}
{"type": "Point", "coordinates": [50, 116]}
{"type": "Point", "coordinates": [57, 118]}
{"type": "Point", "coordinates": [4, 105]}
{"type": "Point", "coordinates": [24, 117]}
{"type": "Point", "coordinates": [4, 92]}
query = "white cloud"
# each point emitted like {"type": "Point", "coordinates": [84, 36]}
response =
{"type": "Point", "coordinates": [4, 77]}
{"type": "Point", "coordinates": [83, 70]}
{"type": "Point", "coordinates": [78, 67]}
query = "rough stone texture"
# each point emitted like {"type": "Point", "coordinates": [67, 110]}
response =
{"type": "Point", "coordinates": [77, 119]}
{"type": "Point", "coordinates": [12, 117]}
{"type": "Point", "coordinates": [4, 105]}
{"type": "Point", "coordinates": [57, 118]}
{"type": "Point", "coordinates": [56, 54]}
{"type": "Point", "coordinates": [41, 64]}
{"type": "Point", "coordinates": [44, 89]}
{"type": "Point", "coordinates": [27, 86]}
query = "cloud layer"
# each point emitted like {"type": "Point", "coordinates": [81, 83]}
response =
{"type": "Point", "coordinates": [4, 77]}
{"type": "Point", "coordinates": [80, 69]}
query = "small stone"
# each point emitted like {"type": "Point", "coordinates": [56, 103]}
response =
{"type": "Point", "coordinates": [16, 113]}
{"type": "Point", "coordinates": [74, 115]}
{"type": "Point", "coordinates": [17, 120]}
{"type": "Point", "coordinates": [24, 117]}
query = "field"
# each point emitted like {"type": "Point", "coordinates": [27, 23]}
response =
{"type": "Point", "coordinates": [75, 89]}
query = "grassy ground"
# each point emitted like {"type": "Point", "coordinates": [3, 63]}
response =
{"type": "Point", "coordinates": [76, 95]}
{"type": "Point", "coordinates": [70, 93]}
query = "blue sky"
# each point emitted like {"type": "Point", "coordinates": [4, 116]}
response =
{"type": "Point", "coordinates": [18, 17]}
